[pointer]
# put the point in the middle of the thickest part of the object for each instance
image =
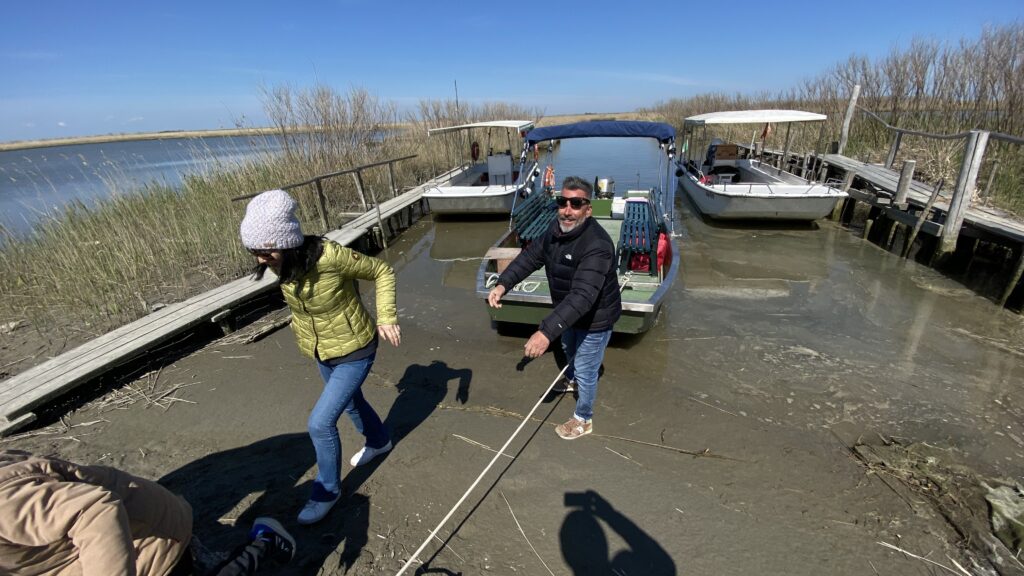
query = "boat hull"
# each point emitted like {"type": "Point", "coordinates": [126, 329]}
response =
{"type": "Point", "coordinates": [725, 202]}
{"type": "Point", "coordinates": [529, 302]}
{"type": "Point", "coordinates": [453, 201]}
{"type": "Point", "coordinates": [630, 322]}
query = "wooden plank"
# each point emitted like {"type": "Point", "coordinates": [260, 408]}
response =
{"type": "Point", "coordinates": [496, 253]}
{"type": "Point", "coordinates": [140, 329]}
{"type": "Point", "coordinates": [928, 227]}
{"type": "Point", "coordinates": [918, 194]}
{"type": "Point", "coordinates": [56, 376]}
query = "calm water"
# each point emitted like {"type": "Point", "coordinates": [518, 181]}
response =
{"type": "Point", "coordinates": [38, 181]}
{"type": "Point", "coordinates": [805, 328]}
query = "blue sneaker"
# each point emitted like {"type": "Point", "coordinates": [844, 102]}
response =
{"type": "Point", "coordinates": [319, 504]}
{"type": "Point", "coordinates": [280, 544]}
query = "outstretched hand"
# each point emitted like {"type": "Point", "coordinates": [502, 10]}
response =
{"type": "Point", "coordinates": [536, 345]}
{"type": "Point", "coordinates": [390, 333]}
{"type": "Point", "coordinates": [494, 297]}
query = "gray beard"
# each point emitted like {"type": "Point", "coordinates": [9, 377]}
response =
{"type": "Point", "coordinates": [570, 228]}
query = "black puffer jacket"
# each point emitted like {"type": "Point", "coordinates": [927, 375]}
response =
{"type": "Point", "coordinates": [580, 267]}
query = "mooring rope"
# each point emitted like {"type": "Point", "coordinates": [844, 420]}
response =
{"type": "Point", "coordinates": [528, 286]}
{"type": "Point", "coordinates": [501, 451]}
{"type": "Point", "coordinates": [625, 279]}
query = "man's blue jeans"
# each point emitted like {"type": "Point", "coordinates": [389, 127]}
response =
{"type": "Point", "coordinates": [585, 352]}
{"type": "Point", "coordinates": [342, 392]}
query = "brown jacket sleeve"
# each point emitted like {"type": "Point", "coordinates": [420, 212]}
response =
{"type": "Point", "coordinates": [90, 516]}
{"type": "Point", "coordinates": [63, 519]}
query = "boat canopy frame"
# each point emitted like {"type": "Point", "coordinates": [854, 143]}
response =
{"type": "Point", "coordinates": [664, 133]}
{"type": "Point", "coordinates": [660, 131]}
{"type": "Point", "coordinates": [766, 117]}
{"type": "Point", "coordinates": [754, 117]}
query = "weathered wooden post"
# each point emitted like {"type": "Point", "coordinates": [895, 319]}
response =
{"type": "Point", "coordinates": [891, 158]}
{"type": "Point", "coordinates": [840, 208]}
{"type": "Point", "coordinates": [974, 153]}
{"type": "Point", "coordinates": [1012, 284]}
{"type": "Point", "coordinates": [850, 109]}
{"type": "Point", "coordinates": [991, 178]}
{"type": "Point", "coordinates": [921, 218]}
{"type": "Point", "coordinates": [359, 188]}
{"type": "Point", "coordinates": [321, 206]}
{"type": "Point", "coordinates": [903, 187]}
{"type": "Point", "coordinates": [391, 179]}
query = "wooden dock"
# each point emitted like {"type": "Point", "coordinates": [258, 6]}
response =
{"type": "Point", "coordinates": [27, 391]}
{"type": "Point", "coordinates": [980, 220]}
{"type": "Point", "coordinates": [900, 203]}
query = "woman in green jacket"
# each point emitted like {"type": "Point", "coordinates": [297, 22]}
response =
{"type": "Point", "coordinates": [318, 279]}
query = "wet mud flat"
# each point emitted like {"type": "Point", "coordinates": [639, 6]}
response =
{"type": "Point", "coordinates": [730, 439]}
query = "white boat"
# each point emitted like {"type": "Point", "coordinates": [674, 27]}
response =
{"type": "Point", "coordinates": [729, 184]}
{"type": "Point", "coordinates": [641, 221]}
{"type": "Point", "coordinates": [490, 182]}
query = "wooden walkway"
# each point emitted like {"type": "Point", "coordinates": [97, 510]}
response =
{"type": "Point", "coordinates": [989, 220]}
{"type": "Point", "coordinates": [28, 390]}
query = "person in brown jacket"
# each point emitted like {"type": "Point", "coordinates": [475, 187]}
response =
{"type": "Point", "coordinates": [59, 518]}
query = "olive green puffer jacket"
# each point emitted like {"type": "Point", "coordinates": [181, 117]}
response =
{"type": "Point", "coordinates": [328, 317]}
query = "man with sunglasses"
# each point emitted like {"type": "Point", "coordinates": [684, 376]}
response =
{"type": "Point", "coordinates": [578, 258]}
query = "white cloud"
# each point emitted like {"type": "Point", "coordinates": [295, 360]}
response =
{"type": "Point", "coordinates": [62, 124]}
{"type": "Point", "coordinates": [135, 119]}
{"type": "Point", "coordinates": [30, 124]}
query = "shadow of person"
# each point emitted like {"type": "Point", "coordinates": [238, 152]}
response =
{"type": "Point", "coordinates": [585, 546]}
{"type": "Point", "coordinates": [420, 389]}
{"type": "Point", "coordinates": [231, 488]}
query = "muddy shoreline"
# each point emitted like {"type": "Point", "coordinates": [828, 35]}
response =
{"type": "Point", "coordinates": [760, 377]}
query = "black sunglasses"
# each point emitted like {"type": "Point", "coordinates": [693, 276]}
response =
{"type": "Point", "coordinates": [258, 252]}
{"type": "Point", "coordinates": [576, 203]}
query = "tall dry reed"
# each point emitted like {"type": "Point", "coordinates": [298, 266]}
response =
{"type": "Point", "coordinates": [91, 269]}
{"type": "Point", "coordinates": [929, 86]}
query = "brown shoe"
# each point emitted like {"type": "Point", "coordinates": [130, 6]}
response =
{"type": "Point", "coordinates": [564, 385]}
{"type": "Point", "coordinates": [574, 428]}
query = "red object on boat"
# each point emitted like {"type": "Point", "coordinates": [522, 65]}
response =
{"type": "Point", "coordinates": [664, 250]}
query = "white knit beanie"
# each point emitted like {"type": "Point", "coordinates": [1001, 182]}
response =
{"type": "Point", "coordinates": [270, 222]}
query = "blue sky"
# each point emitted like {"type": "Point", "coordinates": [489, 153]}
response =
{"type": "Point", "coordinates": [72, 68]}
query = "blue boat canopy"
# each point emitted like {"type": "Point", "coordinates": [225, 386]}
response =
{"type": "Point", "coordinates": [604, 128]}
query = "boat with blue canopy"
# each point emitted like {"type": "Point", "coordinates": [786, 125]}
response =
{"type": "Point", "coordinates": [640, 221]}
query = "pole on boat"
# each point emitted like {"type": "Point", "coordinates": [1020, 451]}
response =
{"type": "Point", "coordinates": [785, 151]}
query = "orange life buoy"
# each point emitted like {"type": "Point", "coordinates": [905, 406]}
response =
{"type": "Point", "coordinates": [474, 150]}
{"type": "Point", "coordinates": [549, 176]}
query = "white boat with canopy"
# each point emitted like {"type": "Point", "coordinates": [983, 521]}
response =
{"type": "Point", "coordinates": [490, 180]}
{"type": "Point", "coordinates": [731, 183]}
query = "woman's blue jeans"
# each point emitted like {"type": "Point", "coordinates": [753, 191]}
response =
{"type": "Point", "coordinates": [585, 352]}
{"type": "Point", "coordinates": [342, 393]}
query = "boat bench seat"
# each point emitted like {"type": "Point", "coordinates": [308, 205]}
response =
{"type": "Point", "coordinates": [533, 215]}
{"type": "Point", "coordinates": [638, 241]}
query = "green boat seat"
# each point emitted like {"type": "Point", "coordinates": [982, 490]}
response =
{"type": "Point", "coordinates": [533, 215]}
{"type": "Point", "coordinates": [638, 241]}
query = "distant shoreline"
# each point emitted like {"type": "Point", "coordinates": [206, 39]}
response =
{"type": "Point", "coordinates": [169, 134]}
{"type": "Point", "coordinates": [26, 144]}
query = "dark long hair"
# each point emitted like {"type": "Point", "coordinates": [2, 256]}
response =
{"type": "Point", "coordinates": [296, 262]}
